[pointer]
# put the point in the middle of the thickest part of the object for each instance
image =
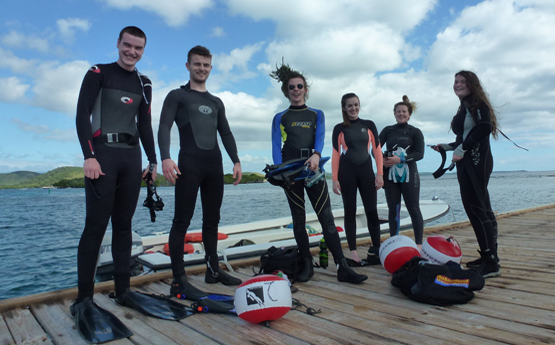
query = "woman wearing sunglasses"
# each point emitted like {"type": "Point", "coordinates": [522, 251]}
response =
{"type": "Point", "coordinates": [302, 131]}
{"type": "Point", "coordinates": [352, 169]}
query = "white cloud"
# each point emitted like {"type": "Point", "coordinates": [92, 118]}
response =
{"type": "Point", "coordinates": [237, 58]}
{"type": "Point", "coordinates": [26, 127]}
{"type": "Point", "coordinates": [174, 12]}
{"type": "Point", "coordinates": [19, 40]}
{"type": "Point", "coordinates": [13, 89]}
{"type": "Point", "coordinates": [249, 117]}
{"type": "Point", "coordinates": [68, 26]}
{"type": "Point", "coordinates": [218, 32]}
{"type": "Point", "coordinates": [56, 85]}
{"type": "Point", "coordinates": [16, 65]}
{"type": "Point", "coordinates": [308, 17]}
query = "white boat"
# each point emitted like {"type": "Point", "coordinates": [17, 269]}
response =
{"type": "Point", "coordinates": [253, 239]}
{"type": "Point", "coordinates": [105, 265]}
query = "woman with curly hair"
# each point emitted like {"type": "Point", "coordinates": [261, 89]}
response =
{"type": "Point", "coordinates": [474, 122]}
{"type": "Point", "coordinates": [302, 131]}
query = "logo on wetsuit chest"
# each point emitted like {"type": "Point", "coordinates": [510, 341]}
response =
{"type": "Point", "coordinates": [126, 100]}
{"type": "Point", "coordinates": [205, 109]}
{"type": "Point", "coordinates": [304, 124]}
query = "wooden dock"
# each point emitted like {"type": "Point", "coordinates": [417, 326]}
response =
{"type": "Point", "coordinates": [516, 308]}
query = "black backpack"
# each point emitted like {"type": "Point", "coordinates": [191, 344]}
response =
{"type": "Point", "coordinates": [287, 260]}
{"type": "Point", "coordinates": [442, 285]}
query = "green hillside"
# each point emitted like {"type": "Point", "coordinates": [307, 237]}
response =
{"type": "Point", "coordinates": [48, 179]}
{"type": "Point", "coordinates": [16, 177]}
{"type": "Point", "coordinates": [72, 177]}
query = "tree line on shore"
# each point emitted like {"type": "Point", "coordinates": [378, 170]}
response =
{"type": "Point", "coordinates": [72, 177]}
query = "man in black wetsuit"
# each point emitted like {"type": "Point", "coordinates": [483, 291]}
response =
{"type": "Point", "coordinates": [199, 116]}
{"type": "Point", "coordinates": [113, 114]}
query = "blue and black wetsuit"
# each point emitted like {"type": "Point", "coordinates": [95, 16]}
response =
{"type": "Point", "coordinates": [302, 130]}
{"type": "Point", "coordinates": [352, 168]}
{"type": "Point", "coordinates": [199, 116]}
{"type": "Point", "coordinates": [410, 140]}
{"type": "Point", "coordinates": [474, 170]}
{"type": "Point", "coordinates": [113, 113]}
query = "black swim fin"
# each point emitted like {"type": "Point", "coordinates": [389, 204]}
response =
{"type": "Point", "coordinates": [154, 305]}
{"type": "Point", "coordinates": [207, 305]}
{"type": "Point", "coordinates": [181, 288]}
{"type": "Point", "coordinates": [97, 325]}
{"type": "Point", "coordinates": [211, 296]}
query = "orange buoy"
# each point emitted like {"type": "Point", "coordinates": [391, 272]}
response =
{"type": "Point", "coordinates": [187, 249]}
{"type": "Point", "coordinates": [196, 237]}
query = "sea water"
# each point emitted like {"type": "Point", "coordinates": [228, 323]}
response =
{"type": "Point", "coordinates": [40, 228]}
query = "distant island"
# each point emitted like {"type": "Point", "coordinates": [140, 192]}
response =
{"type": "Point", "coordinates": [72, 177]}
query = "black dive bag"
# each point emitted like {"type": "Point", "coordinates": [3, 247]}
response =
{"type": "Point", "coordinates": [287, 260]}
{"type": "Point", "coordinates": [442, 285]}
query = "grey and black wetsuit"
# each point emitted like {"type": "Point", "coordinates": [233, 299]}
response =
{"type": "Point", "coordinates": [473, 128]}
{"type": "Point", "coordinates": [302, 130]}
{"type": "Point", "coordinates": [352, 168]}
{"type": "Point", "coordinates": [113, 113]}
{"type": "Point", "coordinates": [411, 139]}
{"type": "Point", "coordinates": [199, 116]}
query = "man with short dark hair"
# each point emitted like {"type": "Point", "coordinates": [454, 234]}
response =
{"type": "Point", "coordinates": [113, 114]}
{"type": "Point", "coordinates": [198, 115]}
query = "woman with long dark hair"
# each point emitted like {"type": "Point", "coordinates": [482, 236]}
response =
{"type": "Point", "coordinates": [474, 122]}
{"type": "Point", "coordinates": [352, 169]}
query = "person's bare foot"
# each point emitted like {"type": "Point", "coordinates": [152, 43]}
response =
{"type": "Point", "coordinates": [354, 256]}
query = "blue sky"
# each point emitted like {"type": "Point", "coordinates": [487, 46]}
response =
{"type": "Point", "coordinates": [380, 50]}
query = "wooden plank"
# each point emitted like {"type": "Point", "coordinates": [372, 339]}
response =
{"type": "Point", "coordinates": [24, 328]}
{"type": "Point", "coordinates": [60, 325]}
{"type": "Point", "coordinates": [5, 335]}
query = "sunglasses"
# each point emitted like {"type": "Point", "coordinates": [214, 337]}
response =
{"type": "Point", "coordinates": [299, 86]}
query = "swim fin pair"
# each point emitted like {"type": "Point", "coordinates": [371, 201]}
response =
{"type": "Point", "coordinates": [97, 325]}
{"type": "Point", "coordinates": [153, 305]}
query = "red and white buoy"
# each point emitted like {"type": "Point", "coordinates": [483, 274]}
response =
{"type": "Point", "coordinates": [440, 249]}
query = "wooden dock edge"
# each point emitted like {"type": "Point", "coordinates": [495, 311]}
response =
{"type": "Point", "coordinates": [71, 293]}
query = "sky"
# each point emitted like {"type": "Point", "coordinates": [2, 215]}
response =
{"type": "Point", "coordinates": [381, 50]}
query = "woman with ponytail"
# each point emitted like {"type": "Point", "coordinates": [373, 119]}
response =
{"type": "Point", "coordinates": [474, 122]}
{"type": "Point", "coordinates": [351, 164]}
{"type": "Point", "coordinates": [405, 146]}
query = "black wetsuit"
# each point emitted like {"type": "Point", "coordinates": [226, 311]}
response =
{"type": "Point", "coordinates": [352, 168]}
{"type": "Point", "coordinates": [411, 139]}
{"type": "Point", "coordinates": [302, 129]}
{"type": "Point", "coordinates": [119, 102]}
{"type": "Point", "coordinates": [474, 170]}
{"type": "Point", "coordinates": [199, 116]}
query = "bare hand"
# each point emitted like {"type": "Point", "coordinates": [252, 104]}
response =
{"type": "Point", "coordinates": [436, 147]}
{"type": "Point", "coordinates": [91, 168]}
{"type": "Point", "coordinates": [336, 188]}
{"type": "Point", "coordinates": [379, 182]}
{"type": "Point", "coordinates": [313, 162]}
{"type": "Point", "coordinates": [237, 173]}
{"type": "Point", "coordinates": [154, 173]}
{"type": "Point", "coordinates": [170, 170]}
{"type": "Point", "coordinates": [391, 161]}
{"type": "Point", "coordinates": [456, 158]}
